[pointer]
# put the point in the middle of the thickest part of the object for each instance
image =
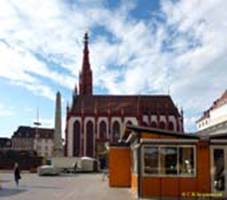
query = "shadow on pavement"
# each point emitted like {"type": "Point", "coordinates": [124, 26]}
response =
{"type": "Point", "coordinates": [58, 176]}
{"type": "Point", "coordinates": [68, 175]}
{"type": "Point", "coordinates": [39, 187]}
{"type": "Point", "coordinates": [5, 192]}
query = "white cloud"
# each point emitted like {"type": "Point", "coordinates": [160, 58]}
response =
{"type": "Point", "coordinates": [199, 72]}
{"type": "Point", "coordinates": [29, 28]}
{"type": "Point", "coordinates": [186, 50]}
{"type": "Point", "coordinates": [6, 111]}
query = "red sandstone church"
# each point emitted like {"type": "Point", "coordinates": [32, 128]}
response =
{"type": "Point", "coordinates": [92, 120]}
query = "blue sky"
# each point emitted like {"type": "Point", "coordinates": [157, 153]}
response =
{"type": "Point", "coordinates": [136, 47]}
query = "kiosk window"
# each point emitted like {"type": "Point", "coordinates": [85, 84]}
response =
{"type": "Point", "coordinates": [186, 160]}
{"type": "Point", "coordinates": [151, 160]}
{"type": "Point", "coordinates": [169, 160]}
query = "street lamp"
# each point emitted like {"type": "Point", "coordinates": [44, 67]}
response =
{"type": "Point", "coordinates": [37, 124]}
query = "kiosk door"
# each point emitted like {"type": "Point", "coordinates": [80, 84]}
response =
{"type": "Point", "coordinates": [218, 169]}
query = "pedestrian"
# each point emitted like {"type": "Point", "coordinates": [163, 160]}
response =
{"type": "Point", "coordinates": [17, 175]}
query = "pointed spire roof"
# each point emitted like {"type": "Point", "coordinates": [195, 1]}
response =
{"type": "Point", "coordinates": [75, 90]}
{"type": "Point", "coordinates": [182, 112]}
{"type": "Point", "coordinates": [58, 93]}
{"type": "Point", "coordinates": [67, 107]}
{"type": "Point", "coordinates": [85, 79]}
{"type": "Point", "coordinates": [86, 62]}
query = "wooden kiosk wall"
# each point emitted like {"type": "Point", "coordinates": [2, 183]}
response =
{"type": "Point", "coordinates": [121, 175]}
{"type": "Point", "coordinates": [177, 186]}
{"type": "Point", "coordinates": [119, 166]}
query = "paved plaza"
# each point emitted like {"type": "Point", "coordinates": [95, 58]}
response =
{"type": "Point", "coordinates": [65, 187]}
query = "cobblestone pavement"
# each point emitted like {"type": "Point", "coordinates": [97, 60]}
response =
{"type": "Point", "coordinates": [65, 187]}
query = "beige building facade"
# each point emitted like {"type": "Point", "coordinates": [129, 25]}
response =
{"type": "Point", "coordinates": [215, 118]}
{"type": "Point", "coordinates": [34, 139]}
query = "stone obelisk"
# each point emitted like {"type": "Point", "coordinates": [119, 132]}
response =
{"type": "Point", "coordinates": [58, 147]}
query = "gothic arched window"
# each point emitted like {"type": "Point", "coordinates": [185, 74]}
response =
{"type": "Point", "coordinates": [171, 126]}
{"type": "Point", "coordinates": [129, 122]}
{"type": "Point", "coordinates": [162, 125]}
{"type": "Point", "coordinates": [153, 124]}
{"type": "Point", "coordinates": [89, 139]}
{"type": "Point", "coordinates": [76, 138]}
{"type": "Point", "coordinates": [144, 123]}
{"type": "Point", "coordinates": [102, 130]}
{"type": "Point", "coordinates": [116, 131]}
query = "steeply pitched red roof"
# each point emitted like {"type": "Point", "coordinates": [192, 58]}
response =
{"type": "Point", "coordinates": [127, 104]}
{"type": "Point", "coordinates": [216, 104]}
{"type": "Point", "coordinates": [220, 101]}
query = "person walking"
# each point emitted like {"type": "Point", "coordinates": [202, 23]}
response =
{"type": "Point", "coordinates": [17, 175]}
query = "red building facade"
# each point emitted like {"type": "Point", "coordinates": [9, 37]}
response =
{"type": "Point", "coordinates": [92, 120]}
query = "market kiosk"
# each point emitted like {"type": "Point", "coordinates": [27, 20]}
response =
{"type": "Point", "coordinates": [161, 163]}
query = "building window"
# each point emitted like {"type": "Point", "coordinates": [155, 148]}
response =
{"type": "Point", "coordinates": [162, 125]}
{"type": "Point", "coordinates": [171, 126]}
{"type": "Point", "coordinates": [116, 131]}
{"type": "Point", "coordinates": [186, 161]}
{"type": "Point", "coordinates": [129, 122]}
{"type": "Point", "coordinates": [151, 160]}
{"type": "Point", "coordinates": [144, 123]}
{"type": "Point", "coordinates": [89, 139]}
{"type": "Point", "coordinates": [38, 148]}
{"type": "Point", "coordinates": [169, 160]}
{"type": "Point", "coordinates": [76, 138]}
{"type": "Point", "coordinates": [102, 130]}
{"type": "Point", "coordinates": [153, 124]}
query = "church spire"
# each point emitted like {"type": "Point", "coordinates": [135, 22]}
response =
{"type": "Point", "coordinates": [85, 85]}
{"type": "Point", "coordinates": [86, 63]}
